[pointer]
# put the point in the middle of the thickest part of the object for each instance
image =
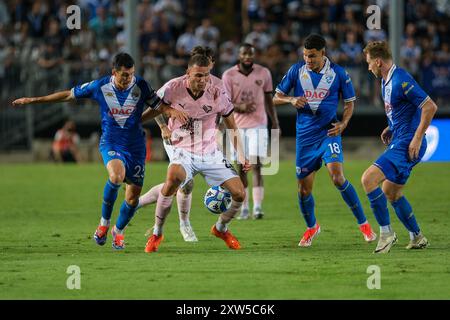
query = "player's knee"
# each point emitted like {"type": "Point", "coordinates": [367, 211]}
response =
{"type": "Point", "coordinates": [132, 201]}
{"type": "Point", "coordinates": [187, 189]}
{"type": "Point", "coordinates": [238, 195]}
{"type": "Point", "coordinates": [116, 178]}
{"type": "Point", "coordinates": [173, 181]}
{"type": "Point", "coordinates": [304, 192]}
{"type": "Point", "coordinates": [366, 181]}
{"type": "Point", "coordinates": [338, 179]}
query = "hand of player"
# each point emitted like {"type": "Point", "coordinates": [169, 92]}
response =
{"type": "Point", "coordinates": [414, 148]}
{"type": "Point", "coordinates": [22, 101]}
{"type": "Point", "coordinates": [250, 107]}
{"type": "Point", "coordinates": [386, 136]}
{"type": "Point", "coordinates": [181, 116]}
{"type": "Point", "coordinates": [338, 128]}
{"type": "Point", "coordinates": [246, 167]}
{"type": "Point", "coordinates": [166, 134]}
{"type": "Point", "coordinates": [299, 102]}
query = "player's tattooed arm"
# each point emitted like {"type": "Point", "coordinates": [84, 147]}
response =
{"type": "Point", "coordinates": [165, 131]}
{"type": "Point", "coordinates": [60, 96]}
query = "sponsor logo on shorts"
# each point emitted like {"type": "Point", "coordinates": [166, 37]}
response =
{"type": "Point", "coordinates": [111, 153]}
{"type": "Point", "coordinates": [334, 155]}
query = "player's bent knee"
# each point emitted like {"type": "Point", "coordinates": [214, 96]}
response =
{"type": "Point", "coordinates": [116, 178]}
{"type": "Point", "coordinates": [238, 195]}
{"type": "Point", "coordinates": [338, 180]}
{"type": "Point", "coordinates": [304, 192]}
{"type": "Point", "coordinates": [187, 189]}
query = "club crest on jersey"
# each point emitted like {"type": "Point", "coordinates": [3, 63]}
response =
{"type": "Point", "coordinates": [329, 78]}
{"type": "Point", "coordinates": [259, 82]}
{"type": "Point", "coordinates": [317, 94]}
{"type": "Point", "coordinates": [135, 94]}
{"type": "Point", "coordinates": [206, 108]}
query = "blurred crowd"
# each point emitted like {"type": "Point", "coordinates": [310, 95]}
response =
{"type": "Point", "coordinates": [39, 54]}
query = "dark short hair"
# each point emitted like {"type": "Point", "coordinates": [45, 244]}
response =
{"type": "Point", "coordinates": [206, 51]}
{"type": "Point", "coordinates": [378, 49]}
{"type": "Point", "coordinates": [315, 41]}
{"type": "Point", "coordinates": [123, 60]}
{"type": "Point", "coordinates": [199, 60]}
{"type": "Point", "coordinates": [246, 45]}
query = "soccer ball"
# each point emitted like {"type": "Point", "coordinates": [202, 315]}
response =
{"type": "Point", "coordinates": [217, 199]}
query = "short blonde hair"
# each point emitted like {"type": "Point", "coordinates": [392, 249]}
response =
{"type": "Point", "coordinates": [378, 49]}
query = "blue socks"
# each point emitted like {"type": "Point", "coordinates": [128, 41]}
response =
{"type": "Point", "coordinates": [404, 213]}
{"type": "Point", "coordinates": [378, 203]}
{"type": "Point", "coordinates": [307, 208]}
{"type": "Point", "coordinates": [351, 198]}
{"type": "Point", "coordinates": [126, 213]}
{"type": "Point", "coordinates": [109, 197]}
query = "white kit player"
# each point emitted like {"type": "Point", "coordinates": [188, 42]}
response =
{"type": "Point", "coordinates": [194, 149]}
{"type": "Point", "coordinates": [249, 87]}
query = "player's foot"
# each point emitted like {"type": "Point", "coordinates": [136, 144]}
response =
{"type": "Point", "coordinates": [153, 243]}
{"type": "Point", "coordinates": [367, 232]}
{"type": "Point", "coordinates": [386, 241]}
{"type": "Point", "coordinates": [258, 213]}
{"type": "Point", "coordinates": [419, 242]}
{"type": "Point", "coordinates": [226, 236]}
{"type": "Point", "coordinates": [309, 235]}
{"type": "Point", "coordinates": [244, 214]}
{"type": "Point", "coordinates": [101, 234]}
{"type": "Point", "coordinates": [188, 234]}
{"type": "Point", "coordinates": [118, 241]}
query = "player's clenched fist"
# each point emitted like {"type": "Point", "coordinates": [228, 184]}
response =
{"type": "Point", "coordinates": [298, 102]}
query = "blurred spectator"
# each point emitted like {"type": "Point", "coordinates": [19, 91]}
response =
{"type": "Point", "coordinates": [65, 144]}
{"type": "Point", "coordinates": [207, 34]}
{"type": "Point", "coordinates": [351, 59]}
{"type": "Point", "coordinates": [187, 41]}
{"type": "Point", "coordinates": [410, 56]}
{"type": "Point", "coordinates": [259, 38]}
{"type": "Point", "coordinates": [103, 25]}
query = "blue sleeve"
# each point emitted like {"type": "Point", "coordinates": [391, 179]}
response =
{"type": "Point", "coordinates": [348, 92]}
{"type": "Point", "coordinates": [412, 91]}
{"type": "Point", "coordinates": [288, 81]}
{"type": "Point", "coordinates": [86, 90]}
{"type": "Point", "coordinates": [151, 98]}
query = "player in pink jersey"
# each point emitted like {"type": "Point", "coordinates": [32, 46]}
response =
{"type": "Point", "coordinates": [184, 194]}
{"type": "Point", "coordinates": [194, 148]}
{"type": "Point", "coordinates": [249, 87]}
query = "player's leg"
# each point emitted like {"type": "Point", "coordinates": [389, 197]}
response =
{"type": "Point", "coordinates": [257, 190]}
{"type": "Point", "coordinates": [307, 206]}
{"type": "Point", "coordinates": [184, 202]}
{"type": "Point", "coordinates": [245, 209]}
{"type": "Point", "coordinates": [127, 211]}
{"type": "Point", "coordinates": [258, 139]}
{"type": "Point", "coordinates": [150, 197]}
{"type": "Point", "coordinates": [116, 175]}
{"type": "Point", "coordinates": [176, 174]}
{"type": "Point", "coordinates": [235, 186]}
{"type": "Point", "coordinates": [348, 193]}
{"type": "Point", "coordinates": [371, 180]}
{"type": "Point", "coordinates": [405, 214]}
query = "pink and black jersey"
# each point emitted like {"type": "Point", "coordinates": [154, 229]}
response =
{"type": "Point", "coordinates": [249, 88]}
{"type": "Point", "coordinates": [198, 135]}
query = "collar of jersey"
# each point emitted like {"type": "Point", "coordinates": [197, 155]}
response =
{"type": "Point", "coordinates": [325, 68]}
{"type": "Point", "coordinates": [133, 81]}
{"type": "Point", "coordinates": [390, 73]}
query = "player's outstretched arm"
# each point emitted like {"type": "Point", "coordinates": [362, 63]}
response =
{"type": "Point", "coordinates": [237, 142]}
{"type": "Point", "coordinates": [60, 96]}
{"type": "Point", "coordinates": [428, 110]}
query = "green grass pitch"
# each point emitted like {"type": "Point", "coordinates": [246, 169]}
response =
{"type": "Point", "coordinates": [49, 212]}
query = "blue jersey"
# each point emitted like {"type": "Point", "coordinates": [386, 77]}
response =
{"type": "Point", "coordinates": [403, 99]}
{"type": "Point", "coordinates": [322, 90]}
{"type": "Point", "coordinates": [120, 110]}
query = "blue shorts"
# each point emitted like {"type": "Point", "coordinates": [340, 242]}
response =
{"type": "Point", "coordinates": [395, 163]}
{"type": "Point", "coordinates": [134, 162]}
{"type": "Point", "coordinates": [309, 158]}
